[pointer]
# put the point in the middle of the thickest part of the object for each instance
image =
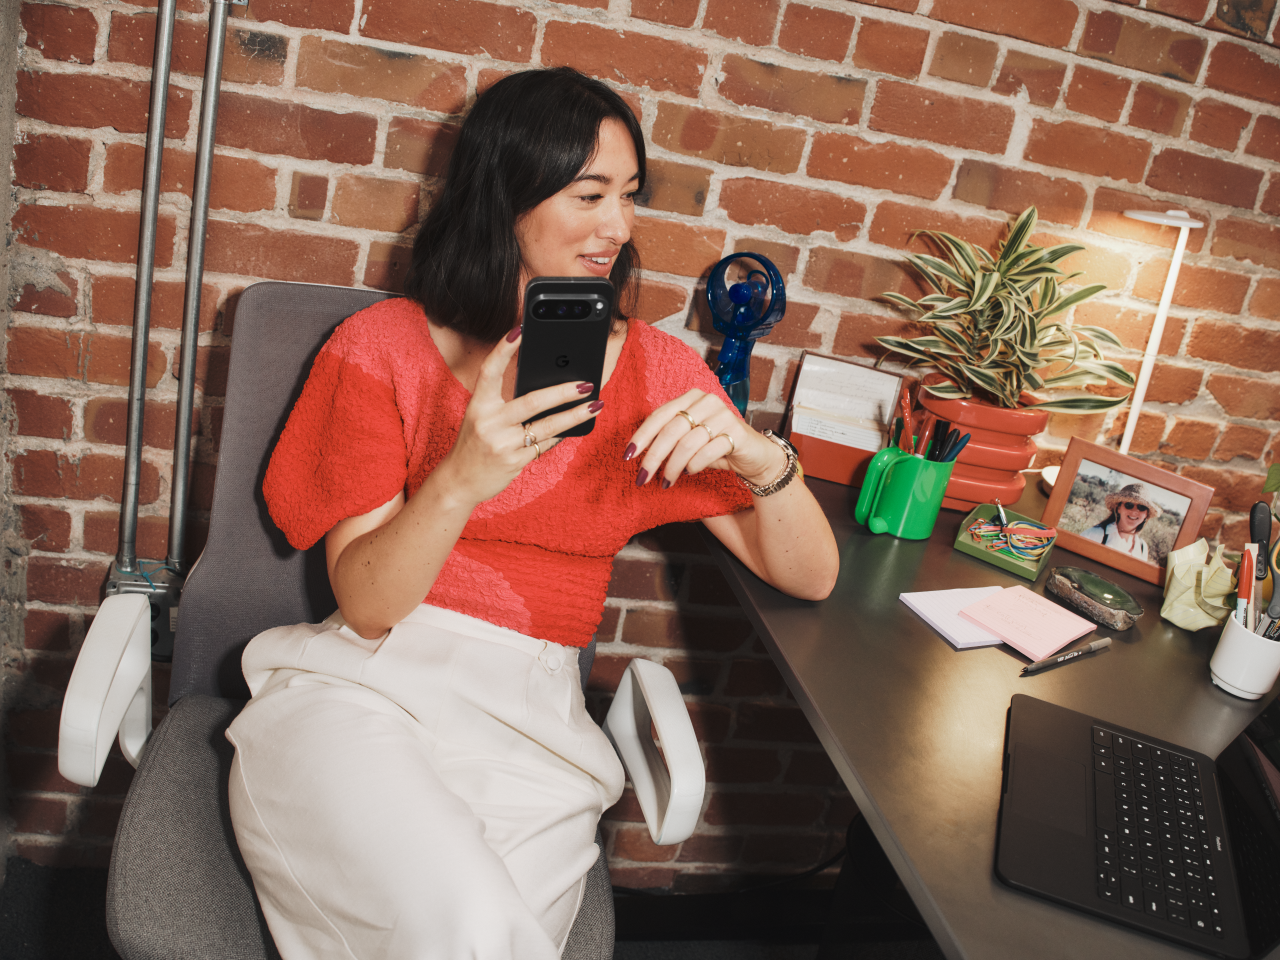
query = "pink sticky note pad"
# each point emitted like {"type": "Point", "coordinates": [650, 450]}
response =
{"type": "Point", "coordinates": [1035, 627]}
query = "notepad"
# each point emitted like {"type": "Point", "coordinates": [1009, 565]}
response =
{"type": "Point", "coordinates": [1026, 621]}
{"type": "Point", "coordinates": [941, 610]}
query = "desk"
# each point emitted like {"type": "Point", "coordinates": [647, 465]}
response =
{"type": "Point", "coordinates": [916, 728]}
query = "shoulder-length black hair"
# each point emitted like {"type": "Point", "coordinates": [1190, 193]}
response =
{"type": "Point", "coordinates": [526, 138]}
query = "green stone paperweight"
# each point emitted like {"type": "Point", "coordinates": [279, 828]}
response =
{"type": "Point", "coordinates": [1096, 597]}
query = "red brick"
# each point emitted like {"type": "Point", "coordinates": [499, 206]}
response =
{"type": "Point", "coordinates": [1012, 190]}
{"type": "Point", "coordinates": [100, 817]}
{"type": "Point", "coordinates": [30, 814]}
{"type": "Point", "coordinates": [62, 855]}
{"type": "Point", "coordinates": [1192, 10]}
{"type": "Point", "coordinates": [1159, 110]}
{"type": "Point", "coordinates": [211, 369]}
{"type": "Point", "coordinates": [1211, 526]}
{"type": "Point", "coordinates": [669, 247]}
{"type": "Point", "coordinates": [750, 21]}
{"type": "Point", "coordinates": [46, 630]}
{"type": "Point", "coordinates": [1265, 301]}
{"type": "Point", "coordinates": [659, 301]}
{"type": "Point", "coordinates": [711, 848]}
{"type": "Point", "coordinates": [295, 130]}
{"type": "Point", "coordinates": [60, 33]}
{"type": "Point", "coordinates": [764, 809]}
{"type": "Point", "coordinates": [633, 843]}
{"type": "Point", "coordinates": [816, 32]}
{"type": "Point", "coordinates": [47, 161]}
{"type": "Point", "coordinates": [785, 848]}
{"type": "Point", "coordinates": [1085, 149]}
{"type": "Point", "coordinates": [753, 678]}
{"type": "Point", "coordinates": [1247, 397]}
{"type": "Point", "coordinates": [51, 672]}
{"type": "Point", "coordinates": [43, 473]}
{"type": "Point", "coordinates": [642, 878]}
{"type": "Point", "coordinates": [1265, 141]}
{"type": "Point", "coordinates": [1244, 18]}
{"type": "Point", "coordinates": [676, 187]}
{"type": "Point", "coordinates": [84, 100]}
{"type": "Point", "coordinates": [738, 765]}
{"type": "Point", "coordinates": [606, 672]}
{"type": "Point", "coordinates": [784, 256]}
{"type": "Point", "coordinates": [236, 183]}
{"type": "Point", "coordinates": [1271, 199]}
{"type": "Point", "coordinates": [1108, 217]}
{"type": "Point", "coordinates": [907, 6]}
{"type": "Point", "coordinates": [335, 15]}
{"type": "Point", "coordinates": [1171, 383]}
{"type": "Point", "coordinates": [822, 96]}
{"type": "Point", "coordinates": [361, 71]}
{"type": "Point", "coordinates": [1237, 69]}
{"type": "Point", "coordinates": [911, 170]}
{"type": "Point", "coordinates": [50, 301]}
{"type": "Point", "coordinates": [83, 231]}
{"type": "Point", "coordinates": [1095, 264]}
{"type": "Point", "coordinates": [375, 204]}
{"type": "Point", "coordinates": [811, 768]}
{"type": "Point", "coordinates": [710, 721]}
{"type": "Point", "coordinates": [795, 210]}
{"type": "Point", "coordinates": [964, 59]}
{"type": "Point", "coordinates": [253, 251]}
{"type": "Point", "coordinates": [1097, 93]}
{"type": "Point", "coordinates": [891, 48]}
{"type": "Point", "coordinates": [113, 302]}
{"type": "Point", "coordinates": [1142, 46]}
{"type": "Point", "coordinates": [796, 333]}
{"type": "Point", "coordinates": [677, 13]}
{"type": "Point", "coordinates": [58, 581]}
{"type": "Point", "coordinates": [34, 729]}
{"type": "Point", "coordinates": [773, 724]}
{"type": "Point", "coordinates": [386, 266]}
{"type": "Point", "coordinates": [855, 337]}
{"type": "Point", "coordinates": [1218, 124]}
{"type": "Point", "coordinates": [420, 146]}
{"type": "Point", "coordinates": [645, 580]}
{"type": "Point", "coordinates": [910, 111]}
{"type": "Point", "coordinates": [1191, 439]}
{"type": "Point", "coordinates": [1201, 288]}
{"type": "Point", "coordinates": [308, 196]}
{"type": "Point", "coordinates": [40, 416]}
{"type": "Point", "coordinates": [662, 628]}
{"type": "Point", "coordinates": [728, 138]}
{"type": "Point", "coordinates": [48, 528]}
{"type": "Point", "coordinates": [1047, 23]}
{"type": "Point", "coordinates": [249, 56]}
{"type": "Point", "coordinates": [856, 275]}
{"type": "Point", "coordinates": [1248, 240]}
{"type": "Point", "coordinates": [1205, 178]}
{"type": "Point", "coordinates": [1040, 78]}
{"type": "Point", "coordinates": [1241, 441]}
{"type": "Point", "coordinates": [102, 534]}
{"type": "Point", "coordinates": [1132, 327]}
{"type": "Point", "coordinates": [1146, 437]}
{"type": "Point", "coordinates": [106, 419]}
{"type": "Point", "coordinates": [697, 678]}
{"type": "Point", "coordinates": [1233, 490]}
{"type": "Point", "coordinates": [896, 225]}
{"type": "Point", "coordinates": [461, 26]}
{"type": "Point", "coordinates": [91, 357]}
{"type": "Point", "coordinates": [628, 58]}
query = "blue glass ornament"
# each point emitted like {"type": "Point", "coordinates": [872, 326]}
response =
{"type": "Point", "coordinates": [744, 312]}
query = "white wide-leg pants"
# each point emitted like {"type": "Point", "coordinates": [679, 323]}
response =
{"type": "Point", "coordinates": [433, 794]}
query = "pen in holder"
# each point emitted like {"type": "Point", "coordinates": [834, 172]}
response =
{"type": "Point", "coordinates": [902, 494]}
{"type": "Point", "coordinates": [1245, 664]}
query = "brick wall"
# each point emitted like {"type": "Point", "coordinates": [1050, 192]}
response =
{"type": "Point", "coordinates": [820, 133]}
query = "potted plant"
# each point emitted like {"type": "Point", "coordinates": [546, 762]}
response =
{"type": "Point", "coordinates": [997, 335]}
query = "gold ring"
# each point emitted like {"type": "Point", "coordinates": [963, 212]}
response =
{"type": "Point", "coordinates": [537, 450]}
{"type": "Point", "coordinates": [732, 446]}
{"type": "Point", "coordinates": [693, 424]}
{"type": "Point", "coordinates": [710, 436]}
{"type": "Point", "coordinates": [529, 439]}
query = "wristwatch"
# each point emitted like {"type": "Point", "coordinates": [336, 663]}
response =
{"type": "Point", "coordinates": [790, 471]}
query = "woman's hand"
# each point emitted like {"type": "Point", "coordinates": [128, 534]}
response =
{"type": "Point", "coordinates": [696, 431]}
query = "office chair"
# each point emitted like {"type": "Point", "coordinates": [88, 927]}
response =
{"type": "Point", "coordinates": [178, 888]}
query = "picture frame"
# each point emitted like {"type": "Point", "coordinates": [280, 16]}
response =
{"type": "Point", "coordinates": [1099, 496]}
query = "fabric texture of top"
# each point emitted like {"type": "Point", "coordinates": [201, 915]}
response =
{"type": "Point", "coordinates": [380, 409]}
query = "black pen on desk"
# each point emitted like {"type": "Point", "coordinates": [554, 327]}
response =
{"type": "Point", "coordinates": [1063, 657]}
{"type": "Point", "coordinates": [955, 449]}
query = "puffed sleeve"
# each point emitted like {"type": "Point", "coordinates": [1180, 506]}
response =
{"type": "Point", "coordinates": [342, 452]}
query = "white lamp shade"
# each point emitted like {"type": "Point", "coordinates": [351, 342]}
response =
{"type": "Point", "coordinates": [1170, 218]}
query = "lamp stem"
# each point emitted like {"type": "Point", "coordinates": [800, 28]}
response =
{"type": "Point", "coordinates": [1153, 342]}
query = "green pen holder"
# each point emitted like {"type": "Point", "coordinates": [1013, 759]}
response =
{"type": "Point", "coordinates": [902, 494]}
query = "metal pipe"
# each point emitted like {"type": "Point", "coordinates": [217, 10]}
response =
{"type": "Point", "coordinates": [126, 552]}
{"type": "Point", "coordinates": [195, 277]}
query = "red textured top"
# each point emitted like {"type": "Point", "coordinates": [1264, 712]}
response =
{"type": "Point", "coordinates": [381, 408]}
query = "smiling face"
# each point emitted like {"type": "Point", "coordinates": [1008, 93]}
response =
{"type": "Point", "coordinates": [1129, 515]}
{"type": "Point", "coordinates": [579, 231]}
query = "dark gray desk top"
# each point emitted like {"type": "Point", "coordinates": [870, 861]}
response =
{"type": "Point", "coordinates": [916, 728]}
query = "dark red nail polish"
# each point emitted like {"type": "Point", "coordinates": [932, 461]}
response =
{"type": "Point", "coordinates": [596, 406]}
{"type": "Point", "coordinates": [665, 483]}
{"type": "Point", "coordinates": [641, 477]}
{"type": "Point", "coordinates": [586, 387]}
{"type": "Point", "coordinates": [629, 452]}
{"type": "Point", "coordinates": [515, 333]}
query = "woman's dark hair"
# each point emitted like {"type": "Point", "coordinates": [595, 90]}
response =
{"type": "Point", "coordinates": [526, 138]}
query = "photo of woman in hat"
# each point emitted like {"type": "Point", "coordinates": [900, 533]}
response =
{"type": "Point", "coordinates": [1130, 509]}
{"type": "Point", "coordinates": [1136, 518]}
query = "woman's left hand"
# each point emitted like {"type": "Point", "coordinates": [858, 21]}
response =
{"type": "Point", "coordinates": [696, 431]}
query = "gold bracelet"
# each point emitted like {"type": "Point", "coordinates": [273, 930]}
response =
{"type": "Point", "coordinates": [790, 470]}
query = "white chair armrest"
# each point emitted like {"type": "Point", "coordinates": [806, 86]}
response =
{"type": "Point", "coordinates": [110, 690]}
{"type": "Point", "coordinates": [668, 776]}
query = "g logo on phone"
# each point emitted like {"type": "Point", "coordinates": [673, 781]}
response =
{"type": "Point", "coordinates": [562, 360]}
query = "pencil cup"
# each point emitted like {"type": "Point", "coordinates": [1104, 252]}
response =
{"type": "Point", "coordinates": [1244, 664]}
{"type": "Point", "coordinates": [902, 494]}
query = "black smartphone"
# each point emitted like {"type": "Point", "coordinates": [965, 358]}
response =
{"type": "Point", "coordinates": [566, 330]}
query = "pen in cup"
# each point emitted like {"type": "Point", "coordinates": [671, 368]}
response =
{"type": "Point", "coordinates": [1063, 657]}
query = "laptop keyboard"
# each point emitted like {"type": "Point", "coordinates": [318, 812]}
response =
{"type": "Point", "coordinates": [1154, 854]}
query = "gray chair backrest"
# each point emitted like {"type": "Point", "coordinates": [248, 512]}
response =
{"type": "Point", "coordinates": [248, 579]}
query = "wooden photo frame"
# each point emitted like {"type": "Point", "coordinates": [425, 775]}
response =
{"type": "Point", "coordinates": [1090, 510]}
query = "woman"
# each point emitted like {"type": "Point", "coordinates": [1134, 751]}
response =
{"type": "Point", "coordinates": [420, 778]}
{"type": "Point", "coordinates": [1129, 511]}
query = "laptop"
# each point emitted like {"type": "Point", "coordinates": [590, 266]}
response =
{"type": "Point", "coordinates": [1143, 832]}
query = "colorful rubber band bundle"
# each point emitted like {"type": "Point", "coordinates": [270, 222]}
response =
{"type": "Point", "coordinates": [1021, 539]}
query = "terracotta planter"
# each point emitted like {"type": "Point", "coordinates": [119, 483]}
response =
{"type": "Point", "coordinates": [989, 466]}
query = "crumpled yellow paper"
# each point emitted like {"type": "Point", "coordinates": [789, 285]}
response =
{"type": "Point", "coordinates": [1195, 593]}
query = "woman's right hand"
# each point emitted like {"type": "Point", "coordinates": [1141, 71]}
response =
{"type": "Point", "coordinates": [491, 448]}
